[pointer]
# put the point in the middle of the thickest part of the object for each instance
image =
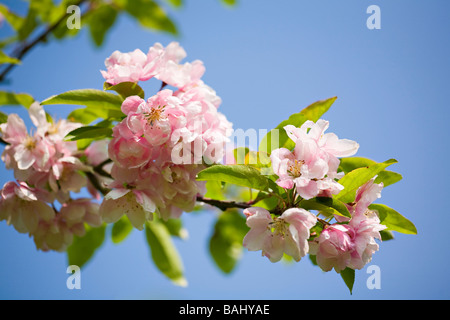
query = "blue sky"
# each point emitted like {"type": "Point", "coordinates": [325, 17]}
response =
{"type": "Point", "coordinates": [267, 60]}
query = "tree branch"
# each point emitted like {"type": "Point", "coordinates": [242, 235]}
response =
{"type": "Point", "coordinates": [224, 205]}
{"type": "Point", "coordinates": [26, 47]}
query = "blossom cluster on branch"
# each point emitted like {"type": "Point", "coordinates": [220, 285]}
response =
{"type": "Point", "coordinates": [149, 160]}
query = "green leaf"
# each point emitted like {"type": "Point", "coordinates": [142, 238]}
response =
{"type": "Point", "coordinates": [83, 248]}
{"type": "Point", "coordinates": [4, 58]}
{"type": "Point", "coordinates": [175, 3]}
{"type": "Point", "coordinates": [121, 230]}
{"type": "Point", "coordinates": [214, 190]}
{"type": "Point", "coordinates": [12, 98]}
{"type": "Point", "coordinates": [240, 175]}
{"type": "Point", "coordinates": [28, 25]}
{"type": "Point", "coordinates": [3, 117]}
{"type": "Point", "coordinates": [229, 2]}
{"type": "Point", "coordinates": [43, 9]}
{"type": "Point", "coordinates": [89, 115]}
{"type": "Point", "coordinates": [356, 178]}
{"type": "Point", "coordinates": [13, 19]}
{"type": "Point", "coordinates": [89, 132]}
{"type": "Point", "coordinates": [175, 228]}
{"type": "Point", "coordinates": [278, 138]}
{"type": "Point", "coordinates": [125, 89]}
{"type": "Point", "coordinates": [240, 154]}
{"type": "Point", "coordinates": [349, 278]}
{"type": "Point", "coordinates": [385, 176]}
{"type": "Point", "coordinates": [163, 252]}
{"type": "Point", "coordinates": [87, 97]}
{"type": "Point", "coordinates": [326, 205]}
{"type": "Point", "coordinates": [225, 244]}
{"type": "Point", "coordinates": [149, 14]}
{"type": "Point", "coordinates": [266, 202]}
{"type": "Point", "coordinates": [101, 19]}
{"type": "Point", "coordinates": [393, 220]}
{"type": "Point", "coordinates": [386, 235]}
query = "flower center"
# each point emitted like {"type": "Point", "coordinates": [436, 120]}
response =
{"type": "Point", "coordinates": [279, 227]}
{"type": "Point", "coordinates": [154, 115]}
{"type": "Point", "coordinates": [29, 143]}
{"type": "Point", "coordinates": [294, 168]}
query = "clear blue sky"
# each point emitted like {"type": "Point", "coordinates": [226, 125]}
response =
{"type": "Point", "coordinates": [267, 60]}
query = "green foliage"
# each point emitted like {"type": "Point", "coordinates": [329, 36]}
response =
{"type": "Point", "coordinates": [240, 175]}
{"type": "Point", "coordinates": [356, 178]}
{"type": "Point", "coordinates": [393, 220]}
{"type": "Point", "coordinates": [83, 248]}
{"type": "Point", "coordinates": [327, 206]}
{"type": "Point", "coordinates": [3, 117]}
{"type": "Point", "coordinates": [385, 176]}
{"type": "Point", "coordinates": [11, 99]}
{"type": "Point", "coordinates": [86, 97]}
{"type": "Point", "coordinates": [225, 244]}
{"type": "Point", "coordinates": [125, 89]}
{"type": "Point", "coordinates": [89, 132]}
{"type": "Point", "coordinates": [121, 230]}
{"type": "Point", "coordinates": [149, 14]}
{"type": "Point", "coordinates": [348, 275]}
{"type": "Point", "coordinates": [164, 253]}
{"type": "Point", "coordinates": [278, 138]}
{"type": "Point", "coordinates": [100, 21]}
{"type": "Point", "coordinates": [4, 58]}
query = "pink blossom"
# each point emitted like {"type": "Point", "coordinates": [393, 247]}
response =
{"type": "Point", "coordinates": [287, 233]}
{"type": "Point", "coordinates": [333, 247]}
{"type": "Point", "coordinates": [312, 166]}
{"type": "Point", "coordinates": [136, 204]}
{"type": "Point", "coordinates": [367, 228]}
{"type": "Point", "coordinates": [351, 245]}
{"type": "Point", "coordinates": [127, 67]}
{"type": "Point", "coordinates": [23, 207]}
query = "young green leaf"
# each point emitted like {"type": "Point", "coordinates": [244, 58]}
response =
{"type": "Point", "coordinates": [83, 248]}
{"type": "Point", "coordinates": [149, 14]}
{"type": "Point", "coordinates": [3, 117]}
{"type": "Point", "coordinates": [385, 176]}
{"type": "Point", "coordinates": [11, 98]}
{"type": "Point", "coordinates": [240, 175]}
{"type": "Point", "coordinates": [163, 251]}
{"type": "Point", "coordinates": [89, 115]}
{"type": "Point", "coordinates": [175, 228]}
{"type": "Point", "coordinates": [348, 275]}
{"type": "Point", "coordinates": [393, 220]}
{"type": "Point", "coordinates": [225, 245]}
{"type": "Point", "coordinates": [121, 230]}
{"type": "Point", "coordinates": [90, 98]}
{"type": "Point", "coordinates": [89, 132]}
{"type": "Point", "coordinates": [4, 58]}
{"type": "Point", "coordinates": [278, 138]}
{"type": "Point", "coordinates": [326, 205]}
{"type": "Point", "coordinates": [125, 89]}
{"type": "Point", "coordinates": [100, 20]}
{"type": "Point", "coordinates": [356, 178]}
{"type": "Point", "coordinates": [13, 19]}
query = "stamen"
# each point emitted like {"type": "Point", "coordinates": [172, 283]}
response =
{"type": "Point", "coordinates": [294, 169]}
{"type": "Point", "coordinates": [156, 114]}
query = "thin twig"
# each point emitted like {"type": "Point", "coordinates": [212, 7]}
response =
{"type": "Point", "coordinates": [26, 47]}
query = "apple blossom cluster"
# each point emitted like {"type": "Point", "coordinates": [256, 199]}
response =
{"type": "Point", "coordinates": [311, 171]}
{"type": "Point", "coordinates": [162, 143]}
{"type": "Point", "coordinates": [47, 168]}
{"type": "Point", "coordinates": [148, 166]}
{"type": "Point", "coordinates": [312, 167]}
